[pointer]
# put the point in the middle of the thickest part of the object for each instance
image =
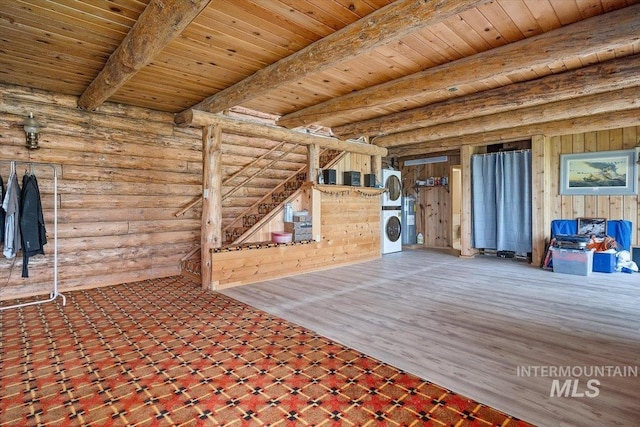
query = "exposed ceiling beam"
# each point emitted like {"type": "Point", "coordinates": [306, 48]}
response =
{"type": "Point", "coordinates": [597, 122]}
{"type": "Point", "coordinates": [607, 102]}
{"type": "Point", "coordinates": [160, 23]}
{"type": "Point", "coordinates": [242, 127]}
{"type": "Point", "coordinates": [383, 26]}
{"type": "Point", "coordinates": [593, 35]}
{"type": "Point", "coordinates": [594, 79]}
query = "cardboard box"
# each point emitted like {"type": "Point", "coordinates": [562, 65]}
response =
{"type": "Point", "coordinates": [572, 261]}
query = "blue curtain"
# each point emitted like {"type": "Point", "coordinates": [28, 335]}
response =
{"type": "Point", "coordinates": [501, 201]}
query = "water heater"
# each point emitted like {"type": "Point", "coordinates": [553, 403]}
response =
{"type": "Point", "coordinates": [409, 220]}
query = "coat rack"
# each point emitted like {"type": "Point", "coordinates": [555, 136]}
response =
{"type": "Point", "coordinates": [54, 293]}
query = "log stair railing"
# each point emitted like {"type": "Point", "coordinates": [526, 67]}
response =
{"type": "Point", "coordinates": [246, 224]}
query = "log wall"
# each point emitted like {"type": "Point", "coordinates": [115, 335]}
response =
{"type": "Point", "coordinates": [122, 174]}
{"type": "Point", "coordinates": [350, 233]}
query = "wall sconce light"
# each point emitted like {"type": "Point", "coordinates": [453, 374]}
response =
{"type": "Point", "coordinates": [31, 129]}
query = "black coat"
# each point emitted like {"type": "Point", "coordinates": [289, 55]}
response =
{"type": "Point", "coordinates": [33, 232]}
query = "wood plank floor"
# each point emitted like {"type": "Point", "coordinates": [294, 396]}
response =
{"type": "Point", "coordinates": [470, 324]}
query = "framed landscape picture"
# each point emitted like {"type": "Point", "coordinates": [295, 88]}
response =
{"type": "Point", "coordinates": [599, 173]}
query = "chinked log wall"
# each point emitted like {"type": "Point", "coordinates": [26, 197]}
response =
{"type": "Point", "coordinates": [123, 174]}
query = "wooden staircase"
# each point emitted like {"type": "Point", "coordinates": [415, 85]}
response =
{"type": "Point", "coordinates": [254, 216]}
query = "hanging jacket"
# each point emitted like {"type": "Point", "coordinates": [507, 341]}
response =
{"type": "Point", "coordinates": [11, 206]}
{"type": "Point", "coordinates": [34, 234]}
{"type": "Point", "coordinates": [2, 216]}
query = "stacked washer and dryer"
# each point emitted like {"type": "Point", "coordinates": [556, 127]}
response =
{"type": "Point", "coordinates": [391, 232]}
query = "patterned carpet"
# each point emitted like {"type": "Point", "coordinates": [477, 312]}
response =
{"type": "Point", "coordinates": [165, 352]}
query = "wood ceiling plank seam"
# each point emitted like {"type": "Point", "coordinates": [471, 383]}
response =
{"type": "Point", "coordinates": [360, 7]}
{"type": "Point", "coordinates": [347, 15]}
{"type": "Point", "coordinates": [199, 32]}
{"type": "Point", "coordinates": [361, 71]}
{"type": "Point", "coordinates": [378, 4]}
{"type": "Point", "coordinates": [38, 36]}
{"type": "Point", "coordinates": [431, 57]}
{"type": "Point", "coordinates": [75, 12]}
{"type": "Point", "coordinates": [297, 16]}
{"type": "Point", "coordinates": [570, 12]}
{"type": "Point", "coordinates": [418, 57]}
{"type": "Point", "coordinates": [323, 16]}
{"type": "Point", "coordinates": [273, 34]}
{"type": "Point", "coordinates": [125, 13]}
{"type": "Point", "coordinates": [241, 43]}
{"type": "Point", "coordinates": [522, 17]}
{"type": "Point", "coordinates": [478, 37]}
{"type": "Point", "coordinates": [576, 40]}
{"type": "Point", "coordinates": [156, 73]}
{"type": "Point", "coordinates": [403, 62]}
{"type": "Point", "coordinates": [262, 17]}
{"type": "Point", "coordinates": [384, 69]}
{"type": "Point", "coordinates": [458, 44]}
{"type": "Point", "coordinates": [316, 85]}
{"type": "Point", "coordinates": [586, 9]}
{"type": "Point", "coordinates": [44, 73]}
{"type": "Point", "coordinates": [55, 59]}
{"type": "Point", "coordinates": [545, 14]}
{"type": "Point", "coordinates": [438, 45]}
{"type": "Point", "coordinates": [54, 25]}
{"type": "Point", "coordinates": [149, 82]}
{"type": "Point", "coordinates": [499, 19]}
{"type": "Point", "coordinates": [196, 53]}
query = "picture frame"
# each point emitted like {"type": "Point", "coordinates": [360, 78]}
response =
{"type": "Point", "coordinates": [599, 173]}
{"type": "Point", "coordinates": [592, 226]}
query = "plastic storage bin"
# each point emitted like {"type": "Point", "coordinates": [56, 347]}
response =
{"type": "Point", "coordinates": [572, 261]}
{"type": "Point", "coordinates": [604, 262]}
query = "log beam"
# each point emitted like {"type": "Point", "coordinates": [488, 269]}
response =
{"type": "Point", "coordinates": [243, 127]}
{"type": "Point", "coordinates": [591, 80]}
{"type": "Point", "coordinates": [383, 26]}
{"type": "Point", "coordinates": [596, 122]}
{"type": "Point", "coordinates": [590, 36]}
{"type": "Point", "coordinates": [608, 102]}
{"type": "Point", "coordinates": [160, 23]}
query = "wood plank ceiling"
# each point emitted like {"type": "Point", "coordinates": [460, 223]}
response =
{"type": "Point", "coordinates": [415, 75]}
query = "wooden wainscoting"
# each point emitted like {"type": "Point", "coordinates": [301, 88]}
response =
{"type": "Point", "coordinates": [349, 233]}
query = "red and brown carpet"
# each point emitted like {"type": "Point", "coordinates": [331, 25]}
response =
{"type": "Point", "coordinates": [165, 352]}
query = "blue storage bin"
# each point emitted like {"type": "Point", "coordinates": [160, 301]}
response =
{"type": "Point", "coordinates": [604, 262]}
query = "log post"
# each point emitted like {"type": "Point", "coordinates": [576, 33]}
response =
{"type": "Point", "coordinates": [313, 162]}
{"type": "Point", "coordinates": [541, 196]}
{"type": "Point", "coordinates": [211, 235]}
{"type": "Point", "coordinates": [466, 248]}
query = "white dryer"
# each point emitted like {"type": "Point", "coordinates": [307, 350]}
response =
{"type": "Point", "coordinates": [391, 232]}
{"type": "Point", "coordinates": [392, 184]}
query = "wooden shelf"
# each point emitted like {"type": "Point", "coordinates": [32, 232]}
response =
{"type": "Point", "coordinates": [327, 188]}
